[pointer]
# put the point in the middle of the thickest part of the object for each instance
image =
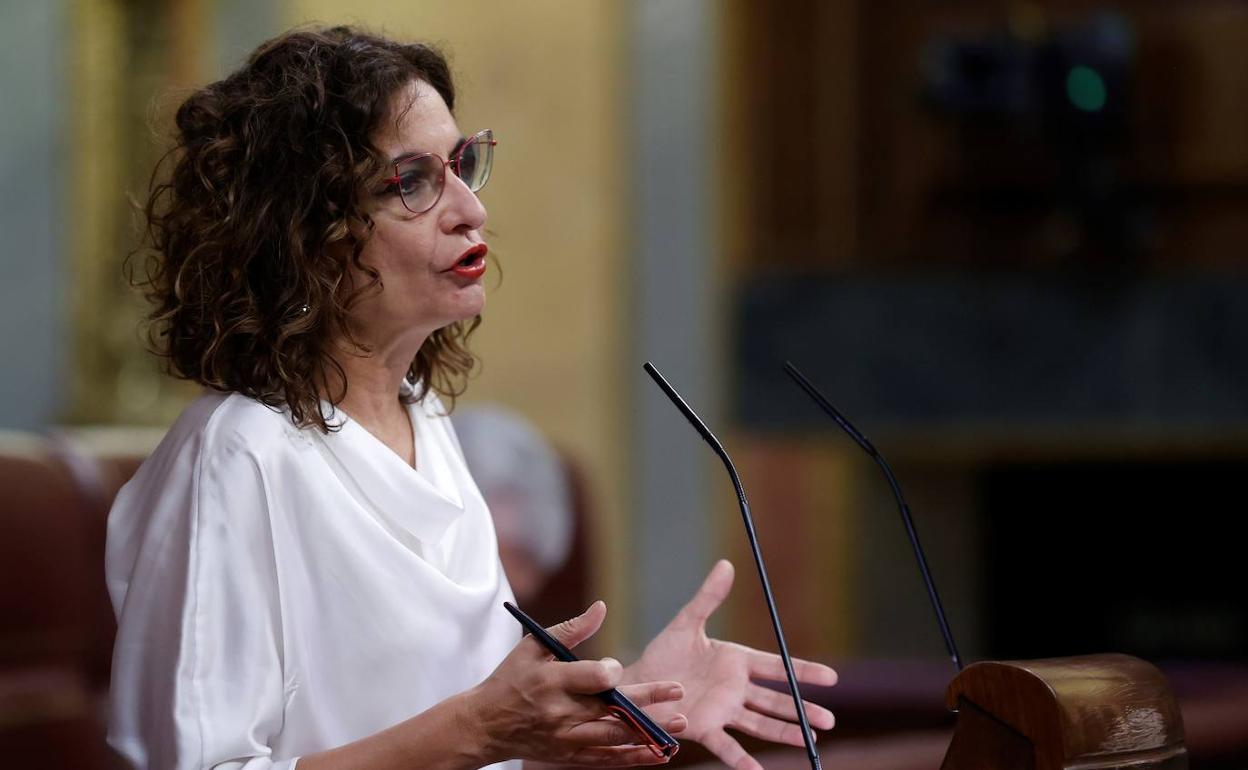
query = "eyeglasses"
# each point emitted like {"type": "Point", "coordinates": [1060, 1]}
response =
{"type": "Point", "coordinates": [420, 179]}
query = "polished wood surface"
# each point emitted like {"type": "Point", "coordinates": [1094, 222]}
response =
{"type": "Point", "coordinates": [1098, 712]}
{"type": "Point", "coordinates": [1095, 711]}
{"type": "Point", "coordinates": [981, 741]}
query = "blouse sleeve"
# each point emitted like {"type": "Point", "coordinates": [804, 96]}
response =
{"type": "Point", "coordinates": [198, 666]}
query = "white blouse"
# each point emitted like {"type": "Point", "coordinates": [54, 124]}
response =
{"type": "Point", "coordinates": [280, 591]}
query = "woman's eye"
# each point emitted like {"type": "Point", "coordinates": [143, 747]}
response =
{"type": "Point", "coordinates": [467, 166]}
{"type": "Point", "coordinates": [413, 182]}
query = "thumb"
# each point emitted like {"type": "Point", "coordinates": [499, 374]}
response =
{"type": "Point", "coordinates": [573, 631]}
{"type": "Point", "coordinates": [712, 594]}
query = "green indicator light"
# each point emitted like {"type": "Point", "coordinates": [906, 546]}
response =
{"type": "Point", "coordinates": [1085, 88]}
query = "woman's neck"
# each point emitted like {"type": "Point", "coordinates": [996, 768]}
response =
{"type": "Point", "coordinates": [373, 397]}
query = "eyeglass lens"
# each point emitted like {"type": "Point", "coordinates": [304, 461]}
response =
{"type": "Point", "coordinates": [421, 179]}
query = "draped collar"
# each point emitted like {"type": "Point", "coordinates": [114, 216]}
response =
{"type": "Point", "coordinates": [422, 502]}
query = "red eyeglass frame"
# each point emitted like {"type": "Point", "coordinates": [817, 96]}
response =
{"type": "Point", "coordinates": [485, 134]}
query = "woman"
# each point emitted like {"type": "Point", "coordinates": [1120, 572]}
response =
{"type": "Point", "coordinates": [303, 571]}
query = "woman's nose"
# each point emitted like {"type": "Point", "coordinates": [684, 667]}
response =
{"type": "Point", "coordinates": [464, 210]}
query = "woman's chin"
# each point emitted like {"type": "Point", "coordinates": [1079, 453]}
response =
{"type": "Point", "coordinates": [476, 301]}
{"type": "Point", "coordinates": [468, 305]}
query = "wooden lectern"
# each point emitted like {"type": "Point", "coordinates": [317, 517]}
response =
{"type": "Point", "coordinates": [1097, 712]}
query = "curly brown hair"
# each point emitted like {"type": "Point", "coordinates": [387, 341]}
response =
{"type": "Point", "coordinates": [256, 232]}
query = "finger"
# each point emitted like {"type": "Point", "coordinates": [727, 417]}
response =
{"type": "Point", "coordinates": [617, 756]}
{"type": "Point", "coordinates": [780, 704]}
{"type": "Point", "coordinates": [724, 746]}
{"type": "Point", "coordinates": [653, 692]}
{"type": "Point", "coordinates": [614, 732]}
{"type": "Point", "coordinates": [768, 729]}
{"type": "Point", "coordinates": [767, 665]}
{"type": "Point", "coordinates": [573, 631]}
{"type": "Point", "coordinates": [708, 598]}
{"type": "Point", "coordinates": [585, 677]}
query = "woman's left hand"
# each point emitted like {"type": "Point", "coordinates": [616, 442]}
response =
{"type": "Point", "coordinates": [717, 678]}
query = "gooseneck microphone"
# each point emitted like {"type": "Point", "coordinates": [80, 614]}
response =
{"type": "Point", "coordinates": [867, 447]}
{"type": "Point", "coordinates": [807, 737]}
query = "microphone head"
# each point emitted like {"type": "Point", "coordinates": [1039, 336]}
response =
{"type": "Point", "coordinates": [796, 375]}
{"type": "Point", "coordinates": [684, 408]}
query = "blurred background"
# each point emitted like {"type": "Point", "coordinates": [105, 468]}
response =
{"type": "Point", "coordinates": [1005, 238]}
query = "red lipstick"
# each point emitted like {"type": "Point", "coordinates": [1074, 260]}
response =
{"type": "Point", "coordinates": [471, 264]}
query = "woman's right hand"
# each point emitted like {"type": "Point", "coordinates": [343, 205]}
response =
{"type": "Point", "coordinates": [534, 707]}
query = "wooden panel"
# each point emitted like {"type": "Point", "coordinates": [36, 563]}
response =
{"type": "Point", "coordinates": [794, 80]}
{"type": "Point", "coordinates": [803, 499]}
{"type": "Point", "coordinates": [876, 176]}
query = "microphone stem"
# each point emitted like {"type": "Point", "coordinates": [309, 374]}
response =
{"type": "Point", "coordinates": [808, 737]}
{"type": "Point", "coordinates": [906, 519]}
{"type": "Point", "coordinates": [913, 534]}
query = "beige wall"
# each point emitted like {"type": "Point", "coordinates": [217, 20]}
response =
{"type": "Point", "coordinates": [128, 67]}
{"type": "Point", "coordinates": [550, 78]}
